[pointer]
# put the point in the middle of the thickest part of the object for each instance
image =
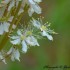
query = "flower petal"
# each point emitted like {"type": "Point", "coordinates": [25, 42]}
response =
{"type": "Point", "coordinates": [6, 26]}
{"type": "Point", "coordinates": [24, 46]}
{"type": "Point", "coordinates": [17, 54]}
{"type": "Point", "coordinates": [1, 29]}
{"type": "Point", "coordinates": [14, 37]}
{"type": "Point", "coordinates": [44, 33]}
{"type": "Point", "coordinates": [19, 33]}
{"type": "Point", "coordinates": [16, 41]}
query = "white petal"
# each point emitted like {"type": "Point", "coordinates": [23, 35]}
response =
{"type": "Point", "coordinates": [17, 55]}
{"type": "Point", "coordinates": [14, 26]}
{"type": "Point", "coordinates": [37, 9]}
{"type": "Point", "coordinates": [16, 41]}
{"type": "Point", "coordinates": [14, 37]}
{"type": "Point", "coordinates": [24, 46]}
{"type": "Point", "coordinates": [4, 61]}
{"type": "Point", "coordinates": [1, 29]}
{"type": "Point", "coordinates": [31, 41]}
{"type": "Point", "coordinates": [2, 58]}
{"type": "Point", "coordinates": [11, 5]}
{"type": "Point", "coordinates": [10, 51]}
{"type": "Point", "coordinates": [12, 57]}
{"type": "Point", "coordinates": [35, 41]}
{"type": "Point", "coordinates": [19, 33]}
{"type": "Point", "coordinates": [38, 1]}
{"type": "Point", "coordinates": [36, 23]}
{"type": "Point", "coordinates": [47, 35]}
{"type": "Point", "coordinates": [11, 18]}
{"type": "Point", "coordinates": [6, 1]}
{"type": "Point", "coordinates": [30, 11]}
{"type": "Point", "coordinates": [20, 11]}
{"type": "Point", "coordinates": [31, 1]}
{"type": "Point", "coordinates": [6, 26]}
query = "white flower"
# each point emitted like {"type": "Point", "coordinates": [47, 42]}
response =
{"type": "Point", "coordinates": [14, 52]}
{"type": "Point", "coordinates": [43, 28]}
{"type": "Point", "coordinates": [19, 40]}
{"type": "Point", "coordinates": [4, 27]}
{"type": "Point", "coordinates": [24, 40]}
{"type": "Point", "coordinates": [34, 7]}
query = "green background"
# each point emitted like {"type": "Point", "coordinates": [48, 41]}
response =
{"type": "Point", "coordinates": [56, 53]}
{"type": "Point", "coordinates": [0, 1]}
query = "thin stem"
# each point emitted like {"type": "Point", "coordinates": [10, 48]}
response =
{"type": "Point", "coordinates": [5, 39]}
{"type": "Point", "coordinates": [6, 10]}
{"type": "Point", "coordinates": [16, 13]}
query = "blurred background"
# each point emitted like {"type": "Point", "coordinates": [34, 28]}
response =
{"type": "Point", "coordinates": [52, 53]}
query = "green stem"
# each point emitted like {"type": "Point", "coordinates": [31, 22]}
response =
{"type": "Point", "coordinates": [16, 14]}
{"type": "Point", "coordinates": [5, 38]}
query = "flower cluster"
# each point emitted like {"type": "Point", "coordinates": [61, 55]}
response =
{"type": "Point", "coordinates": [21, 36]}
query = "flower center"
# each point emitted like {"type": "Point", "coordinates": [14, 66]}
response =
{"type": "Point", "coordinates": [29, 33]}
{"type": "Point", "coordinates": [22, 37]}
{"type": "Point", "coordinates": [43, 27]}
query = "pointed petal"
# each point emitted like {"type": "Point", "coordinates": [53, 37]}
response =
{"type": "Point", "coordinates": [10, 51]}
{"type": "Point", "coordinates": [17, 54]}
{"type": "Point", "coordinates": [16, 41]}
{"type": "Point", "coordinates": [4, 61]}
{"type": "Point", "coordinates": [47, 35]}
{"type": "Point", "coordinates": [14, 37]}
{"type": "Point", "coordinates": [36, 23]}
{"type": "Point", "coordinates": [6, 26]}
{"type": "Point", "coordinates": [35, 41]}
{"type": "Point", "coordinates": [37, 9]}
{"type": "Point", "coordinates": [30, 11]}
{"type": "Point", "coordinates": [1, 29]}
{"type": "Point", "coordinates": [32, 41]}
{"type": "Point", "coordinates": [19, 33]}
{"type": "Point", "coordinates": [31, 1]}
{"type": "Point", "coordinates": [24, 46]}
{"type": "Point", "coordinates": [12, 57]}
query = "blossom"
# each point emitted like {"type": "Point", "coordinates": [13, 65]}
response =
{"type": "Point", "coordinates": [14, 53]}
{"type": "Point", "coordinates": [43, 28]}
{"type": "Point", "coordinates": [24, 40]}
{"type": "Point", "coordinates": [21, 35]}
{"type": "Point", "coordinates": [34, 7]}
{"type": "Point", "coordinates": [19, 40]}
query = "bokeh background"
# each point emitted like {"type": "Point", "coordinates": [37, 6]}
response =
{"type": "Point", "coordinates": [52, 53]}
